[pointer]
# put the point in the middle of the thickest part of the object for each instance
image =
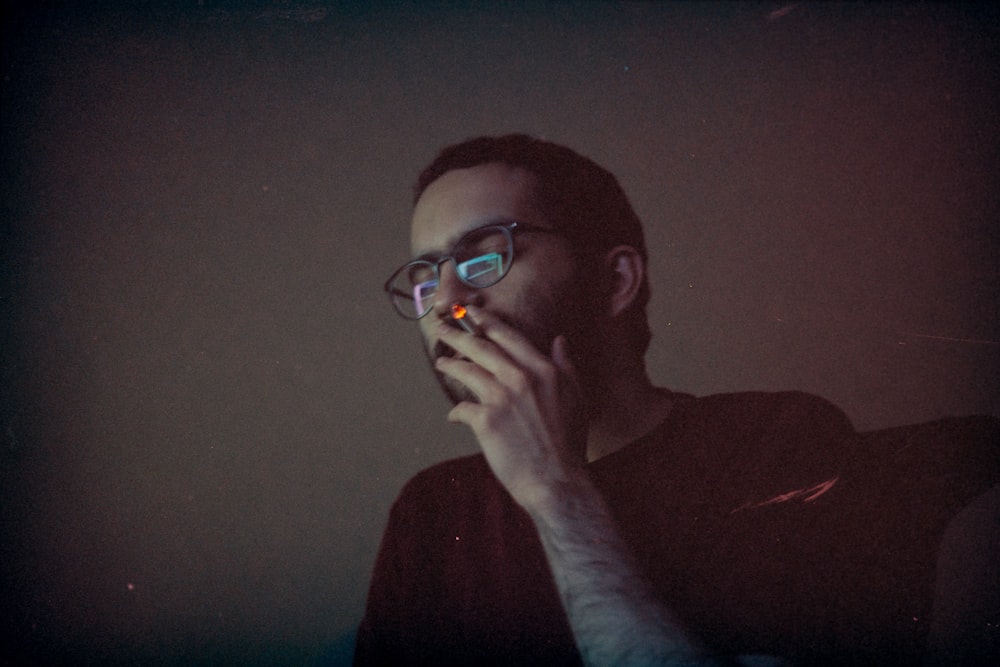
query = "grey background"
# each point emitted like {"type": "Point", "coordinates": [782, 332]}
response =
{"type": "Point", "coordinates": [208, 406]}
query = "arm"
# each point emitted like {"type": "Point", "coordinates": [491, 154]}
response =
{"type": "Point", "coordinates": [615, 614]}
{"type": "Point", "coordinates": [530, 426]}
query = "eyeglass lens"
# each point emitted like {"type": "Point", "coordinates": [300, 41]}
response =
{"type": "Point", "coordinates": [481, 259]}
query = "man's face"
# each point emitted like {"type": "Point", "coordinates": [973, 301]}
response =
{"type": "Point", "coordinates": [541, 295]}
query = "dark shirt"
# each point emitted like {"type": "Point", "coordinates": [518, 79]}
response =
{"type": "Point", "coordinates": [763, 520]}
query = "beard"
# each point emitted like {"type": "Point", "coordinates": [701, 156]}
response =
{"type": "Point", "coordinates": [540, 321]}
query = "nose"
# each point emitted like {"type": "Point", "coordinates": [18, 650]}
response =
{"type": "Point", "coordinates": [452, 290]}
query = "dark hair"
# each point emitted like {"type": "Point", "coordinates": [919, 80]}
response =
{"type": "Point", "coordinates": [576, 195]}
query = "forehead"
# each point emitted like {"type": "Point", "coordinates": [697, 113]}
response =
{"type": "Point", "coordinates": [464, 199]}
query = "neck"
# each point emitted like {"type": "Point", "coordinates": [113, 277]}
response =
{"type": "Point", "coordinates": [625, 407]}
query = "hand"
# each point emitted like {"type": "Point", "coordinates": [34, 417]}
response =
{"type": "Point", "coordinates": [532, 428]}
{"type": "Point", "coordinates": [529, 421]}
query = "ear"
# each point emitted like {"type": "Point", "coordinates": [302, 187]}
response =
{"type": "Point", "coordinates": [625, 269]}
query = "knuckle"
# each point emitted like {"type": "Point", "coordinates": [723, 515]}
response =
{"type": "Point", "coordinates": [548, 374]}
{"type": "Point", "coordinates": [491, 421]}
{"type": "Point", "coordinates": [519, 381]}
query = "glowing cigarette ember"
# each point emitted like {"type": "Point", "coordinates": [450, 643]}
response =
{"type": "Point", "coordinates": [459, 313]}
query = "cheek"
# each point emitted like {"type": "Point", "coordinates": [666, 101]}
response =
{"type": "Point", "coordinates": [425, 326]}
{"type": "Point", "coordinates": [425, 337]}
{"type": "Point", "coordinates": [542, 316]}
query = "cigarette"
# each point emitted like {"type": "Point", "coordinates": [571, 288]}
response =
{"type": "Point", "coordinates": [460, 315]}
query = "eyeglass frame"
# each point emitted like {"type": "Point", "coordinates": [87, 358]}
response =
{"type": "Point", "coordinates": [435, 263]}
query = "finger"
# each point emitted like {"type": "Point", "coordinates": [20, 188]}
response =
{"type": "Point", "coordinates": [561, 356]}
{"type": "Point", "coordinates": [512, 341]}
{"type": "Point", "coordinates": [481, 350]}
{"type": "Point", "coordinates": [465, 413]}
{"type": "Point", "coordinates": [511, 364]}
{"type": "Point", "coordinates": [476, 348]}
{"type": "Point", "coordinates": [477, 379]}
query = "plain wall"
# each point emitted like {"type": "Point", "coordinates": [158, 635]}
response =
{"type": "Point", "coordinates": [208, 404]}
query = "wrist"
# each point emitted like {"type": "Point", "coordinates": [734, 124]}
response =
{"type": "Point", "coordinates": [557, 500]}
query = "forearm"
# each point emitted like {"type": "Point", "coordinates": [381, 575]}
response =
{"type": "Point", "coordinates": [616, 616]}
{"type": "Point", "coordinates": [530, 424]}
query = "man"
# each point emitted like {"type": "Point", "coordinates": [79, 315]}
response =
{"type": "Point", "coordinates": [607, 521]}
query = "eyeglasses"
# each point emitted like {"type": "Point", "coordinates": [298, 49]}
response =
{"type": "Point", "coordinates": [482, 258]}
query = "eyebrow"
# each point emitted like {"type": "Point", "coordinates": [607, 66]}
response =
{"type": "Point", "coordinates": [433, 256]}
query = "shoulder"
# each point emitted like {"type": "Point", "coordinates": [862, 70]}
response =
{"type": "Point", "coordinates": [448, 487]}
{"type": "Point", "coordinates": [453, 473]}
{"type": "Point", "coordinates": [769, 444]}
{"type": "Point", "coordinates": [436, 500]}
{"type": "Point", "coordinates": [760, 413]}
{"type": "Point", "coordinates": [742, 448]}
